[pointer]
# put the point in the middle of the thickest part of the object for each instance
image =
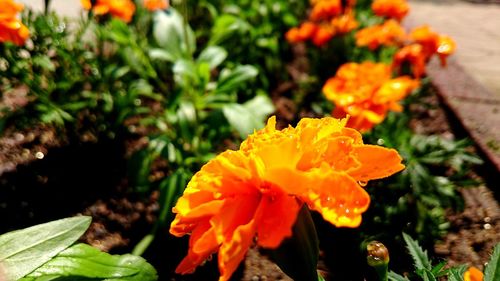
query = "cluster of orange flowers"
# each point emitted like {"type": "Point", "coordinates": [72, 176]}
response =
{"type": "Point", "coordinates": [11, 28]}
{"type": "Point", "coordinates": [366, 92]}
{"type": "Point", "coordinates": [327, 19]}
{"type": "Point", "coordinates": [393, 9]}
{"type": "Point", "coordinates": [122, 9]}
{"type": "Point", "coordinates": [416, 48]}
{"type": "Point", "coordinates": [389, 33]}
{"type": "Point", "coordinates": [254, 194]}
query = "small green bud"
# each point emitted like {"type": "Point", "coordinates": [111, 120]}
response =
{"type": "Point", "coordinates": [378, 258]}
{"type": "Point", "coordinates": [377, 254]}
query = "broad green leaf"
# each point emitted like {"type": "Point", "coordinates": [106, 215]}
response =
{"type": "Point", "coordinates": [173, 34]}
{"type": "Point", "coordinates": [393, 276]}
{"type": "Point", "coordinates": [419, 256]}
{"type": "Point", "coordinates": [225, 26]}
{"type": "Point", "coordinates": [23, 251]}
{"type": "Point", "coordinates": [492, 270]}
{"type": "Point", "coordinates": [246, 118]}
{"type": "Point", "coordinates": [260, 106]}
{"type": "Point", "coordinates": [213, 55]}
{"type": "Point", "coordinates": [84, 261]}
{"type": "Point", "coordinates": [231, 79]}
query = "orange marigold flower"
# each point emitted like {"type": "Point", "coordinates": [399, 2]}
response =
{"type": "Point", "coordinates": [396, 9]}
{"type": "Point", "coordinates": [446, 46]}
{"type": "Point", "coordinates": [304, 32]}
{"type": "Point", "coordinates": [154, 5]}
{"type": "Point", "coordinates": [473, 274]}
{"type": "Point", "coordinates": [414, 55]}
{"type": "Point", "coordinates": [253, 195]}
{"type": "Point", "coordinates": [324, 34]}
{"type": "Point", "coordinates": [344, 23]}
{"type": "Point", "coordinates": [122, 9]}
{"type": "Point", "coordinates": [424, 36]}
{"type": "Point", "coordinates": [389, 33]}
{"type": "Point", "coordinates": [366, 92]}
{"type": "Point", "coordinates": [11, 28]}
{"type": "Point", "coordinates": [325, 9]}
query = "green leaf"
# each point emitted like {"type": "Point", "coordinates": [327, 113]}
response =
{"type": "Point", "coordinates": [213, 55]}
{"type": "Point", "coordinates": [231, 79]}
{"type": "Point", "coordinates": [85, 261]}
{"type": "Point", "coordinates": [260, 106]}
{"type": "Point", "coordinates": [492, 270]}
{"type": "Point", "coordinates": [225, 26]}
{"type": "Point", "coordinates": [173, 34]}
{"type": "Point", "coordinates": [456, 273]}
{"type": "Point", "coordinates": [23, 251]}
{"type": "Point", "coordinates": [246, 118]}
{"type": "Point", "coordinates": [393, 276]}
{"type": "Point", "coordinates": [419, 256]}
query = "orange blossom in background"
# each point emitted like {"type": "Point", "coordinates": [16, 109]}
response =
{"type": "Point", "coordinates": [11, 28]}
{"type": "Point", "coordinates": [366, 92]}
{"type": "Point", "coordinates": [122, 9]}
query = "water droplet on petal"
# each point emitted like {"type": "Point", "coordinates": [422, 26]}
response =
{"type": "Point", "coordinates": [362, 183]}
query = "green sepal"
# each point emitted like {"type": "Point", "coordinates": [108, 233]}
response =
{"type": "Point", "coordinates": [298, 255]}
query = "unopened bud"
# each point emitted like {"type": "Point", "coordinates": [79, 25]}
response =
{"type": "Point", "coordinates": [377, 254]}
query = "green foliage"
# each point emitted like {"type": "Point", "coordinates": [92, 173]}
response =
{"type": "Point", "coordinates": [424, 270]}
{"type": "Point", "coordinates": [82, 261]}
{"type": "Point", "coordinates": [45, 252]}
{"type": "Point", "coordinates": [492, 270]}
{"type": "Point", "coordinates": [416, 199]}
{"type": "Point", "coordinates": [25, 250]}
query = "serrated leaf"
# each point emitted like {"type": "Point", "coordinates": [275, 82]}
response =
{"type": "Point", "coordinates": [23, 251]}
{"type": "Point", "coordinates": [419, 256]}
{"type": "Point", "coordinates": [492, 270]}
{"type": "Point", "coordinates": [393, 276]}
{"type": "Point", "coordinates": [456, 273]}
{"type": "Point", "coordinates": [84, 261]}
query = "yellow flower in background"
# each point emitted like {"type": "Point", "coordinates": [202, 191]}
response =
{"type": "Point", "coordinates": [253, 195]}
{"type": "Point", "coordinates": [473, 274]}
{"type": "Point", "coordinates": [389, 33]}
{"type": "Point", "coordinates": [11, 28]}
{"type": "Point", "coordinates": [122, 9]}
{"type": "Point", "coordinates": [395, 9]}
{"type": "Point", "coordinates": [154, 5]}
{"type": "Point", "coordinates": [366, 92]}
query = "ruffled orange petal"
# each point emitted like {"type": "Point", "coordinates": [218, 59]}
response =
{"type": "Point", "coordinates": [232, 253]}
{"type": "Point", "coordinates": [202, 244]}
{"type": "Point", "coordinates": [376, 162]}
{"type": "Point", "coordinates": [339, 199]}
{"type": "Point", "coordinates": [272, 229]}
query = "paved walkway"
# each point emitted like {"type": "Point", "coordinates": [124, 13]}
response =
{"type": "Point", "coordinates": [475, 28]}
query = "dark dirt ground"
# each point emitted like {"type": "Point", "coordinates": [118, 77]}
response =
{"type": "Point", "coordinates": [43, 179]}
